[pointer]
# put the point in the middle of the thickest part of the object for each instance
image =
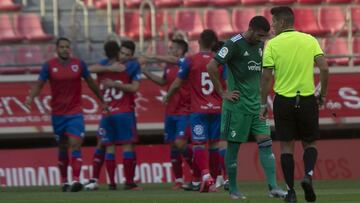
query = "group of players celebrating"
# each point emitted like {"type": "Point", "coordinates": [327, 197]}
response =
{"type": "Point", "coordinates": [211, 93]}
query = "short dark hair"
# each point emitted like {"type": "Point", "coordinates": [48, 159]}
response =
{"type": "Point", "coordinates": [259, 23]}
{"type": "Point", "coordinates": [217, 46]}
{"type": "Point", "coordinates": [208, 38]}
{"type": "Point", "coordinates": [129, 45]}
{"type": "Point", "coordinates": [183, 45]}
{"type": "Point", "coordinates": [111, 49]}
{"type": "Point", "coordinates": [284, 13]}
{"type": "Point", "coordinates": [61, 39]}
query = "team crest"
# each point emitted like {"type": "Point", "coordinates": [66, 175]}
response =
{"type": "Point", "coordinates": [75, 68]}
{"type": "Point", "coordinates": [198, 129]}
{"type": "Point", "coordinates": [223, 52]}
{"type": "Point", "coordinates": [260, 52]}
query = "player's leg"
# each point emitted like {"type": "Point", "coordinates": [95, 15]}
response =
{"type": "Point", "coordinates": [127, 135]}
{"type": "Point", "coordinates": [214, 140]}
{"type": "Point", "coordinates": [261, 131]}
{"type": "Point", "coordinates": [199, 133]}
{"type": "Point", "coordinates": [175, 154]}
{"type": "Point", "coordinates": [222, 178]}
{"type": "Point", "coordinates": [309, 132]}
{"type": "Point", "coordinates": [286, 131]}
{"type": "Point", "coordinates": [98, 161]}
{"type": "Point", "coordinates": [111, 165]}
{"type": "Point", "coordinates": [75, 131]}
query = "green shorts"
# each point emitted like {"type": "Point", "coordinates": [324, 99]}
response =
{"type": "Point", "coordinates": [237, 126]}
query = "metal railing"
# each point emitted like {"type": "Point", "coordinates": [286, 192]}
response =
{"type": "Point", "coordinates": [142, 25]}
{"type": "Point", "coordinates": [80, 4]}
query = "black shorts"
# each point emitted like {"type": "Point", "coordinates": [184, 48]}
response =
{"type": "Point", "coordinates": [296, 121]}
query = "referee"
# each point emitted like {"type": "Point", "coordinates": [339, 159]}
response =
{"type": "Point", "coordinates": [291, 55]}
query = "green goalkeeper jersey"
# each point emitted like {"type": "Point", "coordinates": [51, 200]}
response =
{"type": "Point", "coordinates": [243, 61]}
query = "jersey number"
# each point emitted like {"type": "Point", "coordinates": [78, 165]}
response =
{"type": "Point", "coordinates": [112, 93]}
{"type": "Point", "coordinates": [207, 87]}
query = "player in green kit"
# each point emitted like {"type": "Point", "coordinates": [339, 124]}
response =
{"type": "Point", "coordinates": [242, 55]}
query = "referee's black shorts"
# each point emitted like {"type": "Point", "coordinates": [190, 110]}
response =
{"type": "Point", "coordinates": [296, 121]}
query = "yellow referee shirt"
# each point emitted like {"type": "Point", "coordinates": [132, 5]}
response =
{"type": "Point", "coordinates": [292, 56]}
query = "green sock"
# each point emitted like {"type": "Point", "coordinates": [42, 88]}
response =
{"type": "Point", "coordinates": [231, 164]}
{"type": "Point", "coordinates": [267, 160]}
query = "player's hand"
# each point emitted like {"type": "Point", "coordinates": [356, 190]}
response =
{"type": "Point", "coordinates": [165, 99]}
{"type": "Point", "coordinates": [108, 83]}
{"type": "Point", "coordinates": [28, 102]}
{"type": "Point", "coordinates": [320, 100]}
{"type": "Point", "coordinates": [105, 108]}
{"type": "Point", "coordinates": [231, 95]}
{"type": "Point", "coordinates": [117, 67]}
{"type": "Point", "coordinates": [263, 113]}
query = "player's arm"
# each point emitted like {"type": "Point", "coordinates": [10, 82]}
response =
{"type": "Point", "coordinates": [324, 72]}
{"type": "Point", "coordinates": [99, 68]}
{"type": "Point", "coordinates": [131, 87]}
{"type": "Point", "coordinates": [94, 88]}
{"type": "Point", "coordinates": [161, 58]}
{"type": "Point", "coordinates": [36, 88]}
{"type": "Point", "coordinates": [267, 78]}
{"type": "Point", "coordinates": [213, 70]}
{"type": "Point", "coordinates": [153, 77]}
{"type": "Point", "coordinates": [175, 86]}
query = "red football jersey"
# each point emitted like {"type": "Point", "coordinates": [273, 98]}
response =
{"type": "Point", "coordinates": [204, 98]}
{"type": "Point", "coordinates": [65, 84]}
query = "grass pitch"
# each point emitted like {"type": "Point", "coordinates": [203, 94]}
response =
{"type": "Point", "coordinates": [256, 192]}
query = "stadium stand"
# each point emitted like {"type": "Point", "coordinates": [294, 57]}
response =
{"type": "Point", "coordinates": [199, 3]}
{"type": "Point", "coordinates": [309, 1]}
{"type": "Point", "coordinates": [306, 21]}
{"type": "Point", "coordinates": [29, 55]}
{"type": "Point", "coordinates": [356, 50]}
{"type": "Point", "coordinates": [160, 18]}
{"type": "Point", "coordinates": [241, 18]}
{"type": "Point", "coordinates": [132, 3]}
{"type": "Point", "coordinates": [338, 1]}
{"type": "Point", "coordinates": [332, 18]}
{"type": "Point", "coordinates": [224, 2]}
{"type": "Point", "coordinates": [29, 26]}
{"type": "Point", "coordinates": [337, 46]}
{"type": "Point", "coordinates": [167, 3]}
{"type": "Point", "coordinates": [253, 2]}
{"type": "Point", "coordinates": [132, 26]}
{"type": "Point", "coordinates": [9, 5]}
{"type": "Point", "coordinates": [219, 20]}
{"type": "Point", "coordinates": [7, 31]}
{"type": "Point", "coordinates": [102, 4]}
{"type": "Point", "coordinates": [190, 22]}
{"type": "Point", "coordinates": [282, 2]}
{"type": "Point", "coordinates": [7, 56]}
{"type": "Point", "coordinates": [355, 16]}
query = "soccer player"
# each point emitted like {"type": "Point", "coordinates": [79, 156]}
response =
{"type": "Point", "coordinates": [119, 125]}
{"type": "Point", "coordinates": [241, 106]}
{"type": "Point", "coordinates": [64, 74]}
{"type": "Point", "coordinates": [291, 56]}
{"type": "Point", "coordinates": [205, 109]}
{"type": "Point", "coordinates": [177, 110]}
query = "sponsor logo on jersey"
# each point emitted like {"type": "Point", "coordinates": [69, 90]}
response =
{"type": "Point", "coordinates": [236, 38]}
{"type": "Point", "coordinates": [75, 68]}
{"type": "Point", "coordinates": [55, 70]}
{"type": "Point", "coordinates": [253, 66]}
{"type": "Point", "coordinates": [246, 53]}
{"type": "Point", "coordinates": [233, 133]}
{"type": "Point", "coordinates": [223, 52]}
{"type": "Point", "coordinates": [198, 129]}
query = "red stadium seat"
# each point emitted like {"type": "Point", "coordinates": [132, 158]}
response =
{"type": "Point", "coordinates": [254, 2]}
{"type": "Point", "coordinates": [160, 23]}
{"type": "Point", "coordinates": [103, 4]}
{"type": "Point", "coordinates": [132, 26]}
{"type": "Point", "coordinates": [305, 21]}
{"type": "Point", "coordinates": [309, 1]}
{"type": "Point", "coordinates": [7, 56]}
{"type": "Point", "coordinates": [338, 1]}
{"type": "Point", "coordinates": [282, 2]}
{"type": "Point", "coordinates": [132, 3]}
{"type": "Point", "coordinates": [27, 55]}
{"type": "Point", "coordinates": [201, 3]}
{"type": "Point", "coordinates": [267, 14]}
{"type": "Point", "coordinates": [190, 22]}
{"type": "Point", "coordinates": [219, 21]}
{"type": "Point", "coordinates": [160, 48]}
{"type": "Point", "coordinates": [355, 16]}
{"type": "Point", "coordinates": [7, 32]}
{"type": "Point", "coordinates": [356, 50]}
{"type": "Point", "coordinates": [333, 19]}
{"type": "Point", "coordinates": [29, 26]}
{"type": "Point", "coordinates": [9, 5]}
{"type": "Point", "coordinates": [337, 46]}
{"type": "Point", "coordinates": [49, 51]}
{"type": "Point", "coordinates": [241, 19]}
{"type": "Point", "coordinates": [224, 2]}
{"type": "Point", "coordinates": [167, 3]}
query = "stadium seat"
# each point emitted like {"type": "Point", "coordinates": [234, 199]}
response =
{"type": "Point", "coordinates": [305, 21]}
{"type": "Point", "coordinates": [267, 14]}
{"type": "Point", "coordinates": [253, 2]}
{"type": "Point", "coordinates": [132, 26]}
{"type": "Point", "coordinates": [193, 47]}
{"type": "Point", "coordinates": [132, 3]}
{"type": "Point", "coordinates": [7, 56]}
{"type": "Point", "coordinates": [309, 1]}
{"type": "Point", "coordinates": [241, 19]}
{"type": "Point", "coordinates": [7, 32]}
{"type": "Point", "coordinates": [102, 4]}
{"type": "Point", "coordinates": [9, 5]}
{"type": "Point", "coordinates": [224, 2]}
{"type": "Point", "coordinates": [167, 3]}
{"type": "Point", "coordinates": [356, 50]}
{"type": "Point", "coordinates": [219, 21]}
{"type": "Point", "coordinates": [29, 26]}
{"type": "Point", "coordinates": [338, 1]}
{"type": "Point", "coordinates": [190, 22]}
{"type": "Point", "coordinates": [337, 46]}
{"type": "Point", "coordinates": [49, 51]}
{"type": "Point", "coordinates": [201, 3]}
{"type": "Point", "coordinates": [29, 55]}
{"type": "Point", "coordinates": [160, 48]}
{"type": "Point", "coordinates": [160, 23]}
{"type": "Point", "coordinates": [355, 16]}
{"type": "Point", "coordinates": [282, 2]}
{"type": "Point", "coordinates": [333, 19]}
